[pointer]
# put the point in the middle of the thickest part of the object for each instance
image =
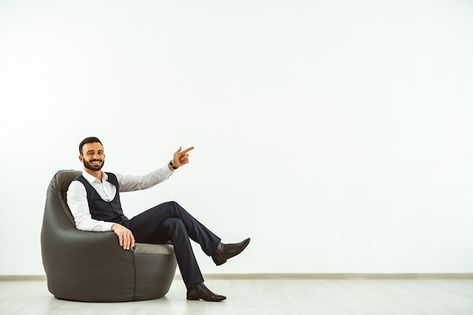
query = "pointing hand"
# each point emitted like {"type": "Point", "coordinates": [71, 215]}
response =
{"type": "Point", "coordinates": [181, 157]}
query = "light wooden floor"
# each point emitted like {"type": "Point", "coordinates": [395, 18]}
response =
{"type": "Point", "coordinates": [321, 297]}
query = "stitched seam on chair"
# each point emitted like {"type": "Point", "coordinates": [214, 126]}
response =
{"type": "Point", "coordinates": [134, 274]}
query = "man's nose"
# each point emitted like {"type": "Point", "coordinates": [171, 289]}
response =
{"type": "Point", "coordinates": [96, 156]}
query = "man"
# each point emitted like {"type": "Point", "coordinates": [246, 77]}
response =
{"type": "Point", "coordinates": [94, 200]}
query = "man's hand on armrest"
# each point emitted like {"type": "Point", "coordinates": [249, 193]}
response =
{"type": "Point", "coordinates": [125, 237]}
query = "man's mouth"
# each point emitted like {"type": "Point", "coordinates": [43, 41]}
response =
{"type": "Point", "coordinates": [96, 162]}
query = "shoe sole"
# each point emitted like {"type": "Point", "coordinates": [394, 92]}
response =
{"type": "Point", "coordinates": [197, 299]}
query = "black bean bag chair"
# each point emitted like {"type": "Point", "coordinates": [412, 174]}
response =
{"type": "Point", "coordinates": [91, 266]}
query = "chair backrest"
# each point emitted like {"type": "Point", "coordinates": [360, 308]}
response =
{"type": "Point", "coordinates": [60, 183]}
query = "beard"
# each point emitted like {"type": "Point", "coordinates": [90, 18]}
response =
{"type": "Point", "coordinates": [94, 167]}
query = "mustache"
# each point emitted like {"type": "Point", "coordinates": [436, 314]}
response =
{"type": "Point", "coordinates": [96, 160]}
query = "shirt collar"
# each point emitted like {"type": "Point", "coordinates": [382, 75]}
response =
{"type": "Point", "coordinates": [91, 179]}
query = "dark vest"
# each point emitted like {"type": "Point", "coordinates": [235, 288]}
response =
{"type": "Point", "coordinates": [109, 211]}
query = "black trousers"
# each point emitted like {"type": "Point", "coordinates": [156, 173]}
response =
{"type": "Point", "coordinates": [171, 222]}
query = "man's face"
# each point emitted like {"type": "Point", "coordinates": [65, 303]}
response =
{"type": "Point", "coordinates": [92, 156]}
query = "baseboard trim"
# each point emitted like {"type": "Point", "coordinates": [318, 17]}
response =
{"type": "Point", "coordinates": [297, 276]}
{"type": "Point", "coordinates": [22, 277]}
{"type": "Point", "coordinates": [338, 276]}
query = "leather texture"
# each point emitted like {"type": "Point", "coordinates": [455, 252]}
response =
{"type": "Point", "coordinates": [229, 251]}
{"type": "Point", "coordinates": [91, 266]}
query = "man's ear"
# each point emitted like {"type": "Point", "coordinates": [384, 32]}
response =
{"type": "Point", "coordinates": [81, 158]}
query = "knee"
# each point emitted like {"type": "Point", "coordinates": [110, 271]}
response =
{"type": "Point", "coordinates": [176, 209]}
{"type": "Point", "coordinates": [173, 204]}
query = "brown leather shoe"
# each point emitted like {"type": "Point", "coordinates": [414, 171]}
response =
{"type": "Point", "coordinates": [229, 251]}
{"type": "Point", "coordinates": [200, 291]}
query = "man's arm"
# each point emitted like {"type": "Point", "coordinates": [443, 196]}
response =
{"type": "Point", "coordinates": [77, 201]}
{"type": "Point", "coordinates": [131, 182]}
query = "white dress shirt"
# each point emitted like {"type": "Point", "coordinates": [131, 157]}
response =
{"type": "Point", "coordinates": [77, 195]}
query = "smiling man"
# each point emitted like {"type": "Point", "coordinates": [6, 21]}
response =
{"type": "Point", "coordinates": [94, 200]}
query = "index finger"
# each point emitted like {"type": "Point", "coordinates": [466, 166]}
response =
{"type": "Point", "coordinates": [187, 150]}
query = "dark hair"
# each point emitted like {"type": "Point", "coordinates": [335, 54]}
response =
{"type": "Point", "coordinates": [88, 140]}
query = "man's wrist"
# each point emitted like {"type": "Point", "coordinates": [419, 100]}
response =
{"type": "Point", "coordinates": [171, 166]}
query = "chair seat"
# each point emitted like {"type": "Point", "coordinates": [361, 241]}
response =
{"type": "Point", "coordinates": [161, 249]}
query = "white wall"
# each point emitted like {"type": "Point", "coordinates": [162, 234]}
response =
{"type": "Point", "coordinates": [337, 134]}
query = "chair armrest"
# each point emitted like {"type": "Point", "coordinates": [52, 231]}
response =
{"type": "Point", "coordinates": [84, 249]}
{"type": "Point", "coordinates": [94, 261]}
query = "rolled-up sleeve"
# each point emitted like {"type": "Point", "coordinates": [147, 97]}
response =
{"type": "Point", "coordinates": [77, 202]}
